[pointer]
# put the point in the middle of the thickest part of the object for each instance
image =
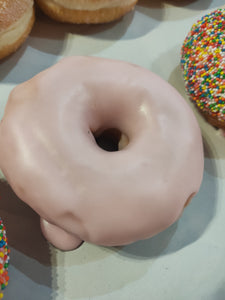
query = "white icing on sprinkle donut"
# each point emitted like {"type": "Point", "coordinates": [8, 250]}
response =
{"type": "Point", "coordinates": [50, 157]}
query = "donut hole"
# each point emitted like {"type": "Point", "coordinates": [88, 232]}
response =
{"type": "Point", "coordinates": [111, 139]}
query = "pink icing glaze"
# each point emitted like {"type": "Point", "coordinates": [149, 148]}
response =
{"type": "Point", "coordinates": [50, 158]}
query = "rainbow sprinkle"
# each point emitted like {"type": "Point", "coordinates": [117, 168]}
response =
{"type": "Point", "coordinates": [203, 64]}
{"type": "Point", "coordinates": [4, 258]}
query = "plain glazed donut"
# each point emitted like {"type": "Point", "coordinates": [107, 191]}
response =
{"type": "Point", "coordinates": [86, 11]}
{"type": "Point", "coordinates": [49, 154]}
{"type": "Point", "coordinates": [203, 56]}
{"type": "Point", "coordinates": [16, 21]}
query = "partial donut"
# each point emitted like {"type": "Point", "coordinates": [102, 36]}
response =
{"type": "Point", "coordinates": [51, 154]}
{"type": "Point", "coordinates": [16, 21]}
{"type": "Point", "coordinates": [4, 259]}
{"type": "Point", "coordinates": [86, 11]}
{"type": "Point", "coordinates": [203, 65]}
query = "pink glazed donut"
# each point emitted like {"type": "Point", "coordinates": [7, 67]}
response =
{"type": "Point", "coordinates": [50, 157]}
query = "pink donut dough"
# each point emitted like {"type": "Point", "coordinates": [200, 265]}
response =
{"type": "Point", "coordinates": [49, 154]}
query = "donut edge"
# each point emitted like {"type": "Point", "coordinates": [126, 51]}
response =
{"type": "Point", "coordinates": [65, 15]}
{"type": "Point", "coordinates": [10, 49]}
{"type": "Point", "coordinates": [212, 120]}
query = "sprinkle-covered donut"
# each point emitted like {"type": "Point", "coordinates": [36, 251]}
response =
{"type": "Point", "coordinates": [203, 65]}
{"type": "Point", "coordinates": [50, 153]}
{"type": "Point", "coordinates": [4, 259]}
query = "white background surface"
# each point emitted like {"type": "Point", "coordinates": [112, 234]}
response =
{"type": "Point", "coordinates": [184, 262]}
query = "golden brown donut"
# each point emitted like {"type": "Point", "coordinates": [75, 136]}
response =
{"type": "Point", "coordinates": [86, 11]}
{"type": "Point", "coordinates": [16, 21]}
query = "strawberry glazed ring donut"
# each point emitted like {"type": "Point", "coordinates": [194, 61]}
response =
{"type": "Point", "coordinates": [50, 157]}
